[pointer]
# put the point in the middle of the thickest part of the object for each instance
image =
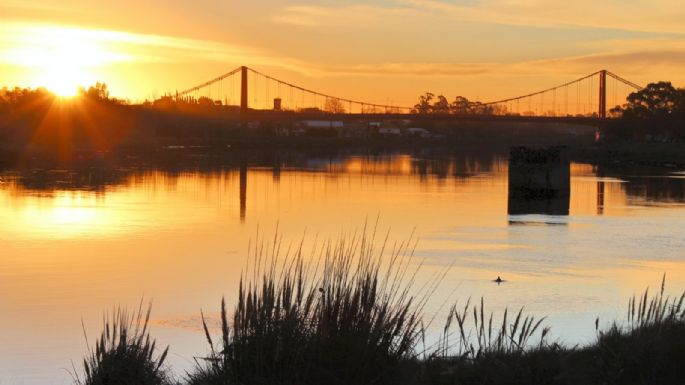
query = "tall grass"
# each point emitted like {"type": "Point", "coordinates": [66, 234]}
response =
{"type": "Point", "coordinates": [650, 347]}
{"type": "Point", "coordinates": [660, 311]}
{"type": "Point", "coordinates": [124, 354]}
{"type": "Point", "coordinates": [349, 314]}
{"type": "Point", "coordinates": [647, 348]}
{"type": "Point", "coordinates": [510, 336]}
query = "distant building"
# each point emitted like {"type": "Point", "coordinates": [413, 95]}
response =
{"type": "Point", "coordinates": [389, 131]}
{"type": "Point", "coordinates": [418, 131]}
{"type": "Point", "coordinates": [322, 123]}
{"type": "Point", "coordinates": [290, 131]}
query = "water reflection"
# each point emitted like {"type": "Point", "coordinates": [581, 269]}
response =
{"type": "Point", "coordinates": [571, 183]}
{"type": "Point", "coordinates": [73, 242]}
{"type": "Point", "coordinates": [600, 197]}
{"type": "Point", "coordinates": [243, 191]}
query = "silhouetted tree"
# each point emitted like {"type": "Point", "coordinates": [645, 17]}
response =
{"type": "Point", "coordinates": [656, 100]}
{"type": "Point", "coordinates": [334, 106]}
{"type": "Point", "coordinates": [478, 108]}
{"type": "Point", "coordinates": [441, 106]}
{"type": "Point", "coordinates": [12, 98]}
{"type": "Point", "coordinates": [460, 105]}
{"type": "Point", "coordinates": [205, 101]}
{"type": "Point", "coordinates": [656, 112]}
{"type": "Point", "coordinates": [424, 105]}
{"type": "Point", "coordinates": [98, 91]}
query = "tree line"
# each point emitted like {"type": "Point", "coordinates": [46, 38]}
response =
{"type": "Point", "coordinates": [429, 103]}
{"type": "Point", "coordinates": [11, 98]}
{"type": "Point", "coordinates": [654, 113]}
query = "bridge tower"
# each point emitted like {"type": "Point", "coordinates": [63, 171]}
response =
{"type": "Point", "coordinates": [243, 90]}
{"type": "Point", "coordinates": [602, 113]}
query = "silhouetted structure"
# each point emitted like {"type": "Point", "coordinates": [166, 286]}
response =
{"type": "Point", "coordinates": [243, 90]}
{"type": "Point", "coordinates": [243, 190]}
{"type": "Point", "coordinates": [550, 102]}
{"type": "Point", "coordinates": [539, 181]}
{"type": "Point", "coordinates": [600, 197]}
{"type": "Point", "coordinates": [602, 94]}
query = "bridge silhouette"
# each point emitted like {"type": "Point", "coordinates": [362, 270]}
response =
{"type": "Point", "coordinates": [262, 97]}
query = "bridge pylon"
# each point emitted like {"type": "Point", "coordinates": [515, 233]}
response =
{"type": "Point", "coordinates": [243, 90]}
{"type": "Point", "coordinates": [602, 109]}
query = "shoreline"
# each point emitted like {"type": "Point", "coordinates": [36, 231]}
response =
{"type": "Point", "coordinates": [615, 155]}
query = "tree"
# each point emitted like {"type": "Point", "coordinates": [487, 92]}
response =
{"type": "Point", "coordinates": [441, 106]}
{"type": "Point", "coordinates": [460, 105]}
{"type": "Point", "coordinates": [424, 104]}
{"type": "Point", "coordinates": [657, 100]}
{"type": "Point", "coordinates": [99, 91]}
{"type": "Point", "coordinates": [478, 108]}
{"type": "Point", "coordinates": [205, 101]}
{"type": "Point", "coordinates": [656, 112]}
{"type": "Point", "coordinates": [334, 106]}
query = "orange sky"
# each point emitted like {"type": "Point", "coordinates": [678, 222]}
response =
{"type": "Point", "coordinates": [382, 51]}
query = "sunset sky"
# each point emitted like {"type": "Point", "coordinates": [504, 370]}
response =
{"type": "Point", "coordinates": [382, 51]}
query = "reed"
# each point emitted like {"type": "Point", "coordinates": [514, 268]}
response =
{"type": "Point", "coordinates": [124, 353]}
{"type": "Point", "coordinates": [650, 346]}
{"type": "Point", "coordinates": [349, 316]}
{"type": "Point", "coordinates": [647, 348]}
{"type": "Point", "coordinates": [483, 337]}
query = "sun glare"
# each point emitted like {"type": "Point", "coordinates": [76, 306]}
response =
{"type": "Point", "coordinates": [62, 59]}
{"type": "Point", "coordinates": [63, 80]}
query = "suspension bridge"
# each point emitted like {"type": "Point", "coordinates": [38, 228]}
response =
{"type": "Point", "coordinates": [262, 97]}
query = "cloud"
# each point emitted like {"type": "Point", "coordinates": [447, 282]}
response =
{"type": "Point", "coordinates": [661, 16]}
{"type": "Point", "coordinates": [658, 16]}
{"type": "Point", "coordinates": [319, 15]}
{"type": "Point", "coordinates": [627, 56]}
{"type": "Point", "coordinates": [23, 42]}
{"type": "Point", "coordinates": [408, 69]}
{"type": "Point", "coordinates": [35, 5]}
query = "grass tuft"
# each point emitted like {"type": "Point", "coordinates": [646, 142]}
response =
{"type": "Point", "coordinates": [124, 354]}
{"type": "Point", "coordinates": [348, 318]}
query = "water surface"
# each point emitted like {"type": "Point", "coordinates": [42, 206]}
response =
{"type": "Point", "coordinates": [74, 243]}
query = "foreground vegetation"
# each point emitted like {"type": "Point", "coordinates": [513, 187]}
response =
{"type": "Point", "coordinates": [356, 316]}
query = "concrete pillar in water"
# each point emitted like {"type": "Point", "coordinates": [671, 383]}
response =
{"type": "Point", "coordinates": [539, 181]}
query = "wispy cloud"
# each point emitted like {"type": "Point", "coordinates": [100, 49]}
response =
{"type": "Point", "coordinates": [629, 58]}
{"type": "Point", "coordinates": [117, 45]}
{"type": "Point", "coordinates": [409, 69]}
{"type": "Point", "coordinates": [16, 39]}
{"type": "Point", "coordinates": [328, 15]}
{"type": "Point", "coordinates": [662, 16]}
{"type": "Point", "coordinates": [35, 5]}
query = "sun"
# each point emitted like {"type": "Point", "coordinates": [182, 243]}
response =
{"type": "Point", "coordinates": [63, 64]}
{"type": "Point", "coordinates": [64, 80]}
{"type": "Point", "coordinates": [62, 59]}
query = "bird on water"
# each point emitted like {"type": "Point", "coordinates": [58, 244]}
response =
{"type": "Point", "coordinates": [498, 280]}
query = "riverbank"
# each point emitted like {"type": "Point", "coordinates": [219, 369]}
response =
{"type": "Point", "coordinates": [628, 154]}
{"type": "Point", "coordinates": [582, 148]}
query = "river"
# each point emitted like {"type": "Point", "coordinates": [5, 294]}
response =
{"type": "Point", "coordinates": [75, 243]}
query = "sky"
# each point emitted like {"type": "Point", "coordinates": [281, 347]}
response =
{"type": "Point", "coordinates": [382, 51]}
